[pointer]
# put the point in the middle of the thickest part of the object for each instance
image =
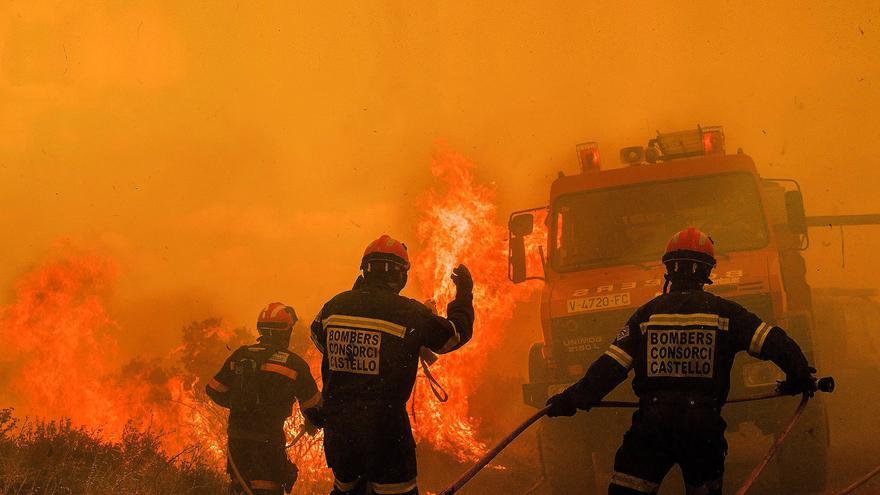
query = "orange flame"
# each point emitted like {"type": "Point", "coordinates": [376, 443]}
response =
{"type": "Point", "coordinates": [459, 224]}
{"type": "Point", "coordinates": [68, 362]}
{"type": "Point", "coordinates": [58, 331]}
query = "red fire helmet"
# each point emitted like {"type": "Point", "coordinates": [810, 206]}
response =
{"type": "Point", "coordinates": [386, 249]}
{"type": "Point", "coordinates": [690, 244]}
{"type": "Point", "coordinates": [276, 316]}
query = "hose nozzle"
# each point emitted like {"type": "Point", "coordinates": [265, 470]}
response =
{"type": "Point", "coordinates": [825, 384]}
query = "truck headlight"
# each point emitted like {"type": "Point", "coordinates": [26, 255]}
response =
{"type": "Point", "coordinates": [761, 374]}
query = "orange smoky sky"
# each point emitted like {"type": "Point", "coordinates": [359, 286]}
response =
{"type": "Point", "coordinates": [227, 154]}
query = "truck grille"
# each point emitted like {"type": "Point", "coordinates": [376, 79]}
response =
{"type": "Point", "coordinates": [579, 340]}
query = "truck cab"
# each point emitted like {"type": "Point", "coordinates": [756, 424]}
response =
{"type": "Point", "coordinates": [605, 232]}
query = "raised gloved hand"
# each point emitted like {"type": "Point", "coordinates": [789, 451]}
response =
{"type": "Point", "coordinates": [464, 283]}
{"type": "Point", "coordinates": [314, 420]}
{"type": "Point", "coordinates": [800, 382]}
{"type": "Point", "coordinates": [561, 405]}
{"type": "Point", "coordinates": [311, 429]}
{"type": "Point", "coordinates": [432, 305]}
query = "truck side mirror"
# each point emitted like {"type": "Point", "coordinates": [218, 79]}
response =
{"type": "Point", "coordinates": [522, 225]}
{"type": "Point", "coordinates": [797, 217]}
{"type": "Point", "coordinates": [519, 226]}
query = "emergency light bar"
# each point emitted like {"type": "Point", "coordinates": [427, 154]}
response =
{"type": "Point", "coordinates": [588, 156]}
{"type": "Point", "coordinates": [683, 144]}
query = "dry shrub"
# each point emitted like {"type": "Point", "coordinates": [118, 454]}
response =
{"type": "Point", "coordinates": [57, 458]}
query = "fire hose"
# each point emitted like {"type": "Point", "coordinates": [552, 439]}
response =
{"type": "Point", "coordinates": [861, 481]}
{"type": "Point", "coordinates": [237, 474]}
{"type": "Point", "coordinates": [773, 448]}
{"type": "Point", "coordinates": [824, 385]}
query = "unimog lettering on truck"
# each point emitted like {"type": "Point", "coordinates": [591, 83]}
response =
{"type": "Point", "coordinates": [604, 229]}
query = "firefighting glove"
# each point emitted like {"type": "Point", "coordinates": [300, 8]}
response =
{"type": "Point", "coordinates": [314, 418]}
{"type": "Point", "coordinates": [431, 305]}
{"type": "Point", "coordinates": [464, 283]}
{"type": "Point", "coordinates": [561, 405]}
{"type": "Point", "coordinates": [799, 382]}
{"type": "Point", "coordinates": [310, 428]}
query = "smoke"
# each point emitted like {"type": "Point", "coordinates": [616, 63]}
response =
{"type": "Point", "coordinates": [229, 155]}
{"type": "Point", "coordinates": [236, 154]}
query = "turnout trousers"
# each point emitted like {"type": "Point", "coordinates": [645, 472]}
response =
{"type": "Point", "coordinates": [370, 445]}
{"type": "Point", "coordinates": [664, 435]}
{"type": "Point", "coordinates": [262, 465]}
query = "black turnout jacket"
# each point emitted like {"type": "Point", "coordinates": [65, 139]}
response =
{"type": "Point", "coordinates": [370, 338]}
{"type": "Point", "coordinates": [281, 378]}
{"type": "Point", "coordinates": [682, 344]}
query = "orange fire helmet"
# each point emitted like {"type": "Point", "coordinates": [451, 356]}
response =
{"type": "Point", "coordinates": [276, 317]}
{"type": "Point", "coordinates": [690, 244]}
{"type": "Point", "coordinates": [388, 250]}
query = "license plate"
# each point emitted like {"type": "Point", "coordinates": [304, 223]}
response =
{"type": "Point", "coordinates": [598, 303]}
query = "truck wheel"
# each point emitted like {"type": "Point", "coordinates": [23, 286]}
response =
{"type": "Point", "coordinates": [803, 457]}
{"type": "Point", "coordinates": [565, 457]}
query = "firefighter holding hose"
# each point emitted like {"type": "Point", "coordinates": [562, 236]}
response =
{"type": "Point", "coordinates": [681, 346]}
{"type": "Point", "coordinates": [371, 338]}
{"type": "Point", "coordinates": [259, 384]}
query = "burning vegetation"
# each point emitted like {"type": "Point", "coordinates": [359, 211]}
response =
{"type": "Point", "coordinates": [43, 457]}
{"type": "Point", "coordinates": [459, 224]}
{"type": "Point", "coordinates": [66, 358]}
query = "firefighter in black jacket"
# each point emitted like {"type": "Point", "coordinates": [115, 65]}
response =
{"type": "Point", "coordinates": [371, 338]}
{"type": "Point", "coordinates": [681, 347]}
{"type": "Point", "coordinates": [259, 384]}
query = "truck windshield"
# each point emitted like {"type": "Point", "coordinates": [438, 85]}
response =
{"type": "Point", "coordinates": [632, 224]}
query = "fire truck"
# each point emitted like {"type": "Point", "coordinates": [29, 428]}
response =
{"type": "Point", "coordinates": [599, 244]}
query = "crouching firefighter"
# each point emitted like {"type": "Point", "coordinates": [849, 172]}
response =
{"type": "Point", "coordinates": [681, 347]}
{"type": "Point", "coordinates": [259, 384]}
{"type": "Point", "coordinates": [370, 338]}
